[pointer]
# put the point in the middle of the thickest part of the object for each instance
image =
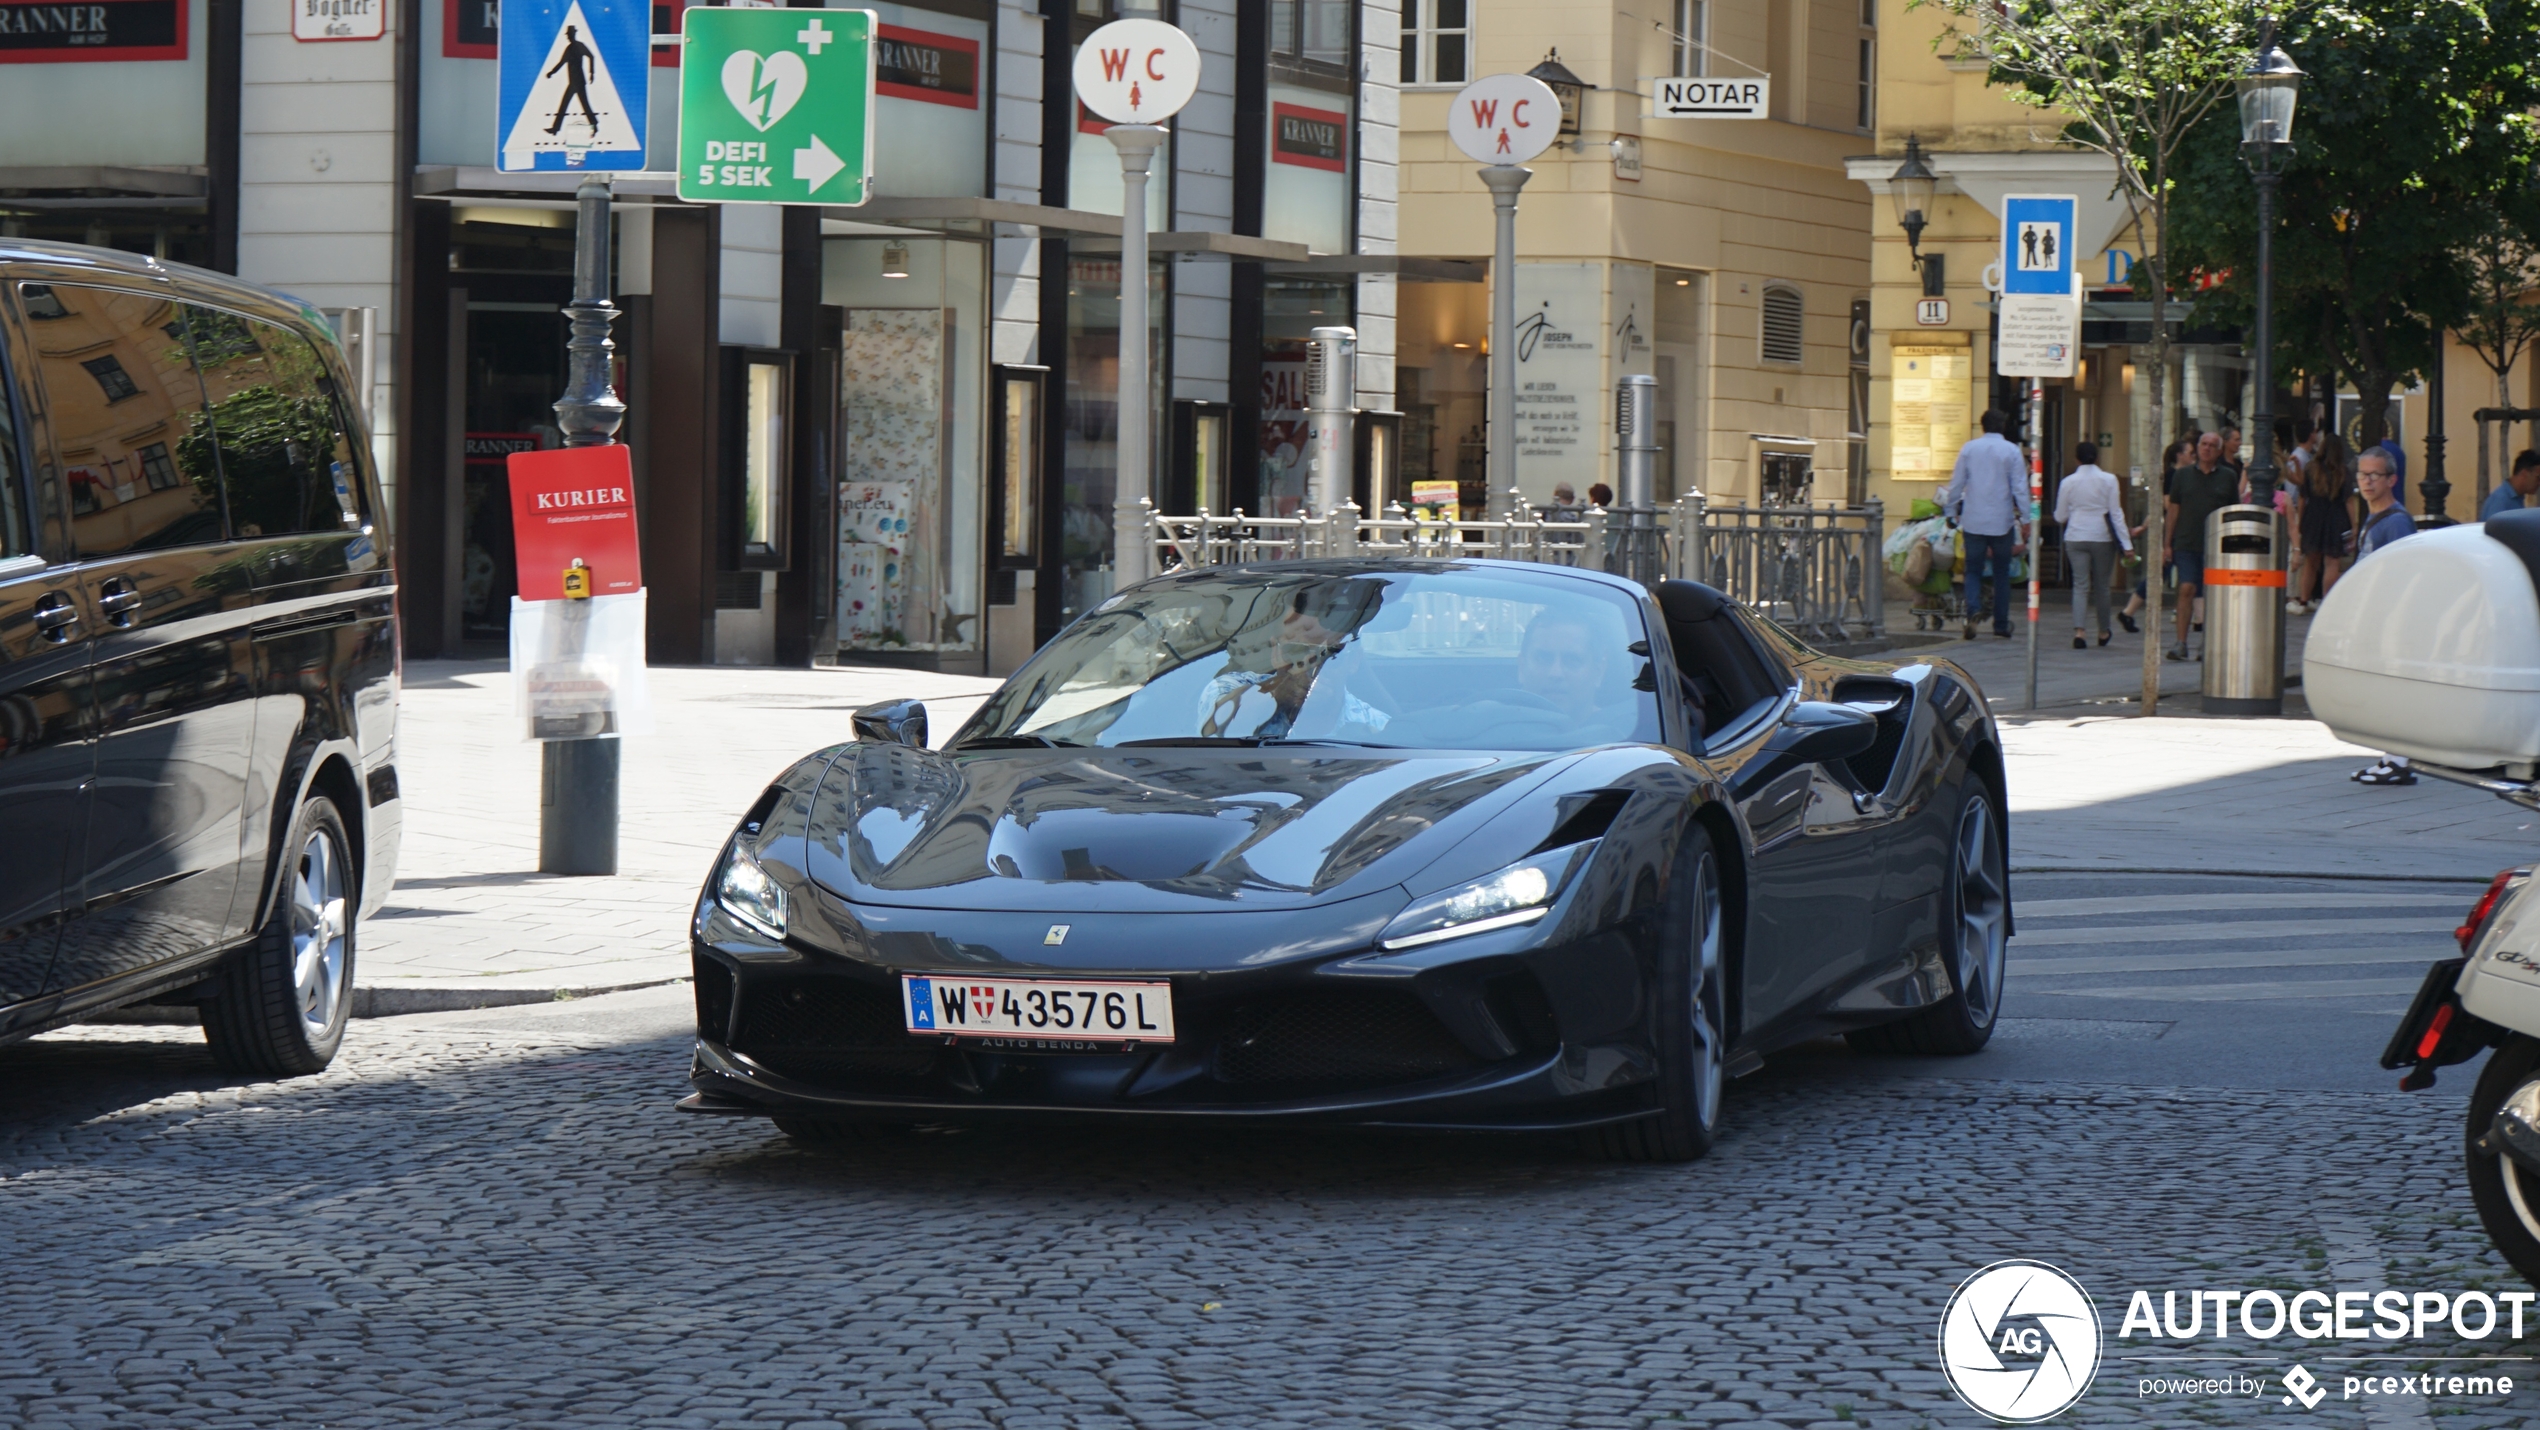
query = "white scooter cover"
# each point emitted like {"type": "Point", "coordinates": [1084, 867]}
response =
{"type": "Point", "coordinates": [2430, 648]}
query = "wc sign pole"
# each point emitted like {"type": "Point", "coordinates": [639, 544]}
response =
{"type": "Point", "coordinates": [1501, 121]}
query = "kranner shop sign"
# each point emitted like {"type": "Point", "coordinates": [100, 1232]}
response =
{"type": "Point", "coordinates": [1309, 138]}
{"type": "Point", "coordinates": [51, 32]}
{"type": "Point", "coordinates": [920, 65]}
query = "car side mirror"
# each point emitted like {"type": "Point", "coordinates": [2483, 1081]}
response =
{"type": "Point", "coordinates": [892, 722]}
{"type": "Point", "coordinates": [1818, 732]}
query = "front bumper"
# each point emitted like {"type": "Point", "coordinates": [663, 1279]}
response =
{"type": "Point", "coordinates": [1475, 1036]}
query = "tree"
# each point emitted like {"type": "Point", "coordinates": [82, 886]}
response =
{"type": "Point", "coordinates": [2415, 127]}
{"type": "Point", "coordinates": [2504, 322]}
{"type": "Point", "coordinates": [2133, 79]}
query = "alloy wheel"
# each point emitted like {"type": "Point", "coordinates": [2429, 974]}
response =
{"type": "Point", "coordinates": [1983, 912]}
{"type": "Point", "coordinates": [318, 929]}
{"type": "Point", "coordinates": [1710, 1054]}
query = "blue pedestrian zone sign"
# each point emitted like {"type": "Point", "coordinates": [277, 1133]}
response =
{"type": "Point", "coordinates": [576, 81]}
{"type": "Point", "coordinates": [2037, 244]}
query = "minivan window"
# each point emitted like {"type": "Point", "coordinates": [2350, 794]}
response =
{"type": "Point", "coordinates": [15, 526]}
{"type": "Point", "coordinates": [124, 397]}
{"type": "Point", "coordinates": [283, 452]}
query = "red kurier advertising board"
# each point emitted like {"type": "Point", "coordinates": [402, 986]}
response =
{"type": "Point", "coordinates": [575, 503]}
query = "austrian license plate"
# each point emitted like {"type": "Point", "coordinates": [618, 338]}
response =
{"type": "Point", "coordinates": [1054, 1013]}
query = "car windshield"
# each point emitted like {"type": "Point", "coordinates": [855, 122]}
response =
{"type": "Point", "coordinates": [1458, 658]}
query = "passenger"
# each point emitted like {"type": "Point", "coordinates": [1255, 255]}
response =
{"type": "Point", "coordinates": [1296, 657]}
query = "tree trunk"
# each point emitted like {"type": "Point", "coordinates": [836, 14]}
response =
{"type": "Point", "coordinates": [2156, 497]}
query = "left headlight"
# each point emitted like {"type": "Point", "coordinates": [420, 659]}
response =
{"type": "Point", "coordinates": [748, 894]}
{"type": "Point", "coordinates": [1519, 894]}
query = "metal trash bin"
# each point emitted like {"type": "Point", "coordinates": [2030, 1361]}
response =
{"type": "Point", "coordinates": [2244, 611]}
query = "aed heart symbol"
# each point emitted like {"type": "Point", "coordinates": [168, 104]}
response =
{"type": "Point", "coordinates": [764, 89]}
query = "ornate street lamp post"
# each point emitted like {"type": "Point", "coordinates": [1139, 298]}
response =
{"type": "Point", "coordinates": [1911, 189]}
{"type": "Point", "coordinates": [2267, 95]}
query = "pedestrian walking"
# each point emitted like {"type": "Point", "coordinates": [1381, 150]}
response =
{"type": "Point", "coordinates": [2196, 492]}
{"type": "Point", "coordinates": [2170, 458]}
{"type": "Point", "coordinates": [2087, 507]}
{"type": "Point", "coordinates": [2385, 521]}
{"type": "Point", "coordinates": [1987, 497]}
{"type": "Point", "coordinates": [2509, 497]}
{"type": "Point", "coordinates": [2324, 520]}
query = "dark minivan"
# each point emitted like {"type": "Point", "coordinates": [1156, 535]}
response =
{"type": "Point", "coordinates": [198, 656]}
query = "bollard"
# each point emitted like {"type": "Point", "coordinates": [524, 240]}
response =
{"type": "Point", "coordinates": [1331, 404]}
{"type": "Point", "coordinates": [1636, 477]}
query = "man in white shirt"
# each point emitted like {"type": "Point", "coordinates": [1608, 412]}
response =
{"type": "Point", "coordinates": [1987, 497]}
{"type": "Point", "coordinates": [2089, 508]}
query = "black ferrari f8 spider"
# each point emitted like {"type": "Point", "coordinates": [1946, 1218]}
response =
{"type": "Point", "coordinates": [1438, 844]}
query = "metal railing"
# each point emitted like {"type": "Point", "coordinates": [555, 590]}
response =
{"type": "Point", "coordinates": [1816, 571]}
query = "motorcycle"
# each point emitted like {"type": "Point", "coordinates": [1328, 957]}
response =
{"type": "Point", "coordinates": [2489, 998]}
{"type": "Point", "coordinates": [2430, 648]}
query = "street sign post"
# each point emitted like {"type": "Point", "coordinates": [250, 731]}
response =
{"type": "Point", "coordinates": [2039, 337]}
{"type": "Point", "coordinates": [1135, 73]}
{"type": "Point", "coordinates": [775, 106]}
{"type": "Point", "coordinates": [573, 84]}
{"type": "Point", "coordinates": [1500, 121]}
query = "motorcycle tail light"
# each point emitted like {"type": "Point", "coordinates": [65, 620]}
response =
{"type": "Point", "coordinates": [2467, 933]}
{"type": "Point", "coordinates": [2434, 1029]}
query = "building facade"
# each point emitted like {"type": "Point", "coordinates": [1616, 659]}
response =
{"type": "Point", "coordinates": [1728, 258]}
{"type": "Point", "coordinates": [880, 433]}
{"type": "Point", "coordinates": [1931, 376]}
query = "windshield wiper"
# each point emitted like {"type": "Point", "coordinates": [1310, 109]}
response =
{"type": "Point", "coordinates": [1013, 742]}
{"type": "Point", "coordinates": [1227, 742]}
{"type": "Point", "coordinates": [1238, 742]}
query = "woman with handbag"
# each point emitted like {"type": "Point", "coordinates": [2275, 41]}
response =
{"type": "Point", "coordinates": [2087, 507]}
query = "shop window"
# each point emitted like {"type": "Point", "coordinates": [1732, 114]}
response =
{"type": "Point", "coordinates": [1692, 34]}
{"type": "Point", "coordinates": [1441, 386]}
{"type": "Point", "coordinates": [1437, 41]}
{"type": "Point", "coordinates": [1856, 426]}
{"type": "Point", "coordinates": [1784, 325]}
{"type": "Point", "coordinates": [104, 422]}
{"type": "Point", "coordinates": [759, 494]}
{"type": "Point", "coordinates": [285, 461]}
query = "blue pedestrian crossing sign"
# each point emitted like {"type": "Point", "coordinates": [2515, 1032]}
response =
{"type": "Point", "coordinates": [2037, 243]}
{"type": "Point", "coordinates": [575, 84]}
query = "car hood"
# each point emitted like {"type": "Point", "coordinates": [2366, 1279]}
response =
{"type": "Point", "coordinates": [1146, 829]}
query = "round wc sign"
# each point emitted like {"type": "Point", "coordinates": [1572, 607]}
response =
{"type": "Point", "coordinates": [1137, 71]}
{"type": "Point", "coordinates": [1504, 118]}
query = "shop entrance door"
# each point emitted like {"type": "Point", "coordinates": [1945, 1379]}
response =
{"type": "Point", "coordinates": [515, 373]}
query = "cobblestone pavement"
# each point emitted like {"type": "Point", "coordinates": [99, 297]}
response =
{"type": "Point", "coordinates": [494, 1219]}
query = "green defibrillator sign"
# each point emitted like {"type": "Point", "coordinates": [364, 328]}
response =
{"type": "Point", "coordinates": [775, 106]}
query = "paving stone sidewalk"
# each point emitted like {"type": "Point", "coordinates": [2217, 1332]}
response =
{"type": "Point", "coordinates": [471, 924]}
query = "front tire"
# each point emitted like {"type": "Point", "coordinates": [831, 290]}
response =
{"type": "Point", "coordinates": [284, 999]}
{"type": "Point", "coordinates": [1692, 1036]}
{"type": "Point", "coordinates": [1975, 935]}
{"type": "Point", "coordinates": [2508, 1197]}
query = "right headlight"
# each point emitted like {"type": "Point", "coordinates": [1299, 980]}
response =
{"type": "Point", "coordinates": [1519, 894]}
{"type": "Point", "coordinates": [747, 893]}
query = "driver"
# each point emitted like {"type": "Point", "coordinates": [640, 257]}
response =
{"type": "Point", "coordinates": [1561, 661]}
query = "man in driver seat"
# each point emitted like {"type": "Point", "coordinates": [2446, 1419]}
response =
{"type": "Point", "coordinates": [1561, 661]}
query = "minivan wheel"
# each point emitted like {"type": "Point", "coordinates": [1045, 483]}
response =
{"type": "Point", "coordinates": [283, 999]}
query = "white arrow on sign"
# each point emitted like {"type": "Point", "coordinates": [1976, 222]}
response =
{"type": "Point", "coordinates": [817, 165]}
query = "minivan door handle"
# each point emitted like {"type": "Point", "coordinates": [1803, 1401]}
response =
{"type": "Point", "coordinates": [119, 598]}
{"type": "Point", "coordinates": [55, 615]}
